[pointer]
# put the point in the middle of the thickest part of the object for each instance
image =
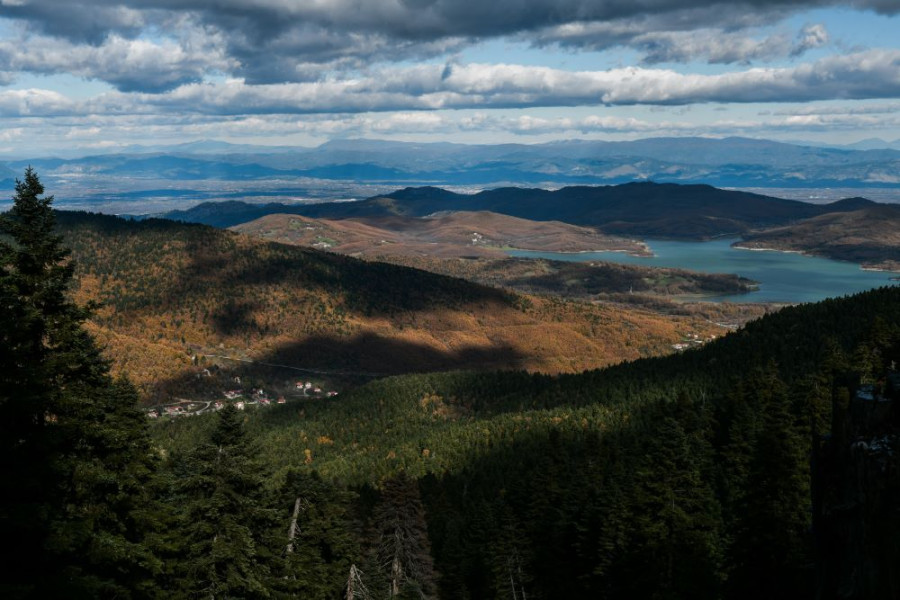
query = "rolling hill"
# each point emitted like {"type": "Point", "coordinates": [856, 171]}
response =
{"type": "Point", "coordinates": [869, 236]}
{"type": "Point", "coordinates": [174, 292]}
{"type": "Point", "coordinates": [468, 245]}
{"type": "Point", "coordinates": [443, 234]}
{"type": "Point", "coordinates": [634, 209]}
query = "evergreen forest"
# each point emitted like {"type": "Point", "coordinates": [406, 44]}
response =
{"type": "Point", "coordinates": [763, 464]}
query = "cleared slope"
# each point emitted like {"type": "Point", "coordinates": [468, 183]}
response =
{"type": "Point", "coordinates": [464, 233]}
{"type": "Point", "coordinates": [467, 245]}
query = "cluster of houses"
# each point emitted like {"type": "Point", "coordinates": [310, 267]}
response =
{"type": "Point", "coordinates": [693, 341]}
{"type": "Point", "coordinates": [308, 389]}
{"type": "Point", "coordinates": [182, 408]}
{"type": "Point", "coordinates": [236, 396]}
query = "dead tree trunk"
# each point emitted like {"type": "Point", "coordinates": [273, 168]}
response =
{"type": "Point", "coordinates": [356, 589]}
{"type": "Point", "coordinates": [292, 532]}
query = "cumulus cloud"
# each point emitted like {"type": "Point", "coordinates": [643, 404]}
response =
{"type": "Point", "coordinates": [409, 19]}
{"type": "Point", "coordinates": [31, 102]}
{"type": "Point", "coordinates": [127, 64]}
{"type": "Point", "coordinates": [812, 36]}
{"type": "Point", "coordinates": [871, 74]}
{"type": "Point", "coordinates": [870, 109]}
{"type": "Point", "coordinates": [342, 67]}
{"type": "Point", "coordinates": [271, 41]}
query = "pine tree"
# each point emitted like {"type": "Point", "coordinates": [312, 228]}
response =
{"type": "Point", "coordinates": [225, 533]}
{"type": "Point", "coordinates": [319, 546]}
{"type": "Point", "coordinates": [674, 539]}
{"type": "Point", "coordinates": [74, 451]}
{"type": "Point", "coordinates": [770, 549]}
{"type": "Point", "coordinates": [403, 550]}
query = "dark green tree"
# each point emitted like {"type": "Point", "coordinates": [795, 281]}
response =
{"type": "Point", "coordinates": [74, 451]}
{"type": "Point", "coordinates": [319, 547]}
{"type": "Point", "coordinates": [402, 547]}
{"type": "Point", "coordinates": [771, 546]}
{"type": "Point", "coordinates": [226, 532]}
{"type": "Point", "coordinates": [675, 519]}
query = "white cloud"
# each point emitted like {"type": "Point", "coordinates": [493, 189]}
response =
{"type": "Point", "coordinates": [128, 64]}
{"type": "Point", "coordinates": [865, 75]}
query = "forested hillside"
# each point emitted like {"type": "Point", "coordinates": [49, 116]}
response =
{"type": "Point", "coordinates": [652, 479]}
{"type": "Point", "coordinates": [172, 291]}
{"type": "Point", "coordinates": [632, 209]}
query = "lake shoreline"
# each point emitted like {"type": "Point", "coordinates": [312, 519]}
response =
{"type": "Point", "coordinates": [784, 277]}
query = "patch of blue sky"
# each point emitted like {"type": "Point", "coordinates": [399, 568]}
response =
{"type": "Point", "coordinates": [71, 86]}
{"type": "Point", "coordinates": [521, 52]}
{"type": "Point", "coordinates": [852, 29]}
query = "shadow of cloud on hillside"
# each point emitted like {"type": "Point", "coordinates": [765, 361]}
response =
{"type": "Point", "coordinates": [375, 354]}
{"type": "Point", "coordinates": [234, 278]}
{"type": "Point", "coordinates": [361, 357]}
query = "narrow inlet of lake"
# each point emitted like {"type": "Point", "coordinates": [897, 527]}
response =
{"type": "Point", "coordinates": [783, 277]}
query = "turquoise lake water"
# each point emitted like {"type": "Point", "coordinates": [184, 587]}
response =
{"type": "Point", "coordinates": [782, 276]}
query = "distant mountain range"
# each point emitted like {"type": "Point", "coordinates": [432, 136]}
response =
{"type": "Point", "coordinates": [635, 209]}
{"type": "Point", "coordinates": [729, 162]}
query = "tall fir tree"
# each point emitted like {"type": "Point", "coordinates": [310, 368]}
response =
{"type": "Point", "coordinates": [75, 452]}
{"type": "Point", "coordinates": [772, 539]}
{"type": "Point", "coordinates": [403, 550]}
{"type": "Point", "coordinates": [319, 545]}
{"type": "Point", "coordinates": [226, 534]}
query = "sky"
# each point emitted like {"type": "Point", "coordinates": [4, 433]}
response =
{"type": "Point", "coordinates": [99, 75]}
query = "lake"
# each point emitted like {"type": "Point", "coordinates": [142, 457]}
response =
{"type": "Point", "coordinates": [783, 276]}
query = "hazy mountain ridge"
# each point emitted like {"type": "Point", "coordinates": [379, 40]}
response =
{"type": "Point", "coordinates": [729, 162]}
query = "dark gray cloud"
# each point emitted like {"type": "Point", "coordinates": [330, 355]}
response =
{"type": "Point", "coordinates": [268, 41]}
{"type": "Point", "coordinates": [407, 19]}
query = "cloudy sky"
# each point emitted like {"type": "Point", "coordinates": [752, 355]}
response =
{"type": "Point", "coordinates": [98, 74]}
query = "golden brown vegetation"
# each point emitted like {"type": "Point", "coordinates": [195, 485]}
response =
{"type": "Point", "coordinates": [172, 291]}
